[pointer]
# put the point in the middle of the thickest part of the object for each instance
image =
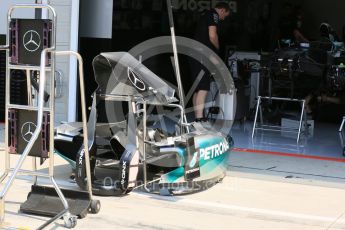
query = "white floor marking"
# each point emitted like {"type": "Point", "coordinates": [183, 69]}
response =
{"type": "Point", "coordinates": [267, 212]}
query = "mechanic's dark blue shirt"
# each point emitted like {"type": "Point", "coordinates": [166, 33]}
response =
{"type": "Point", "coordinates": [208, 18]}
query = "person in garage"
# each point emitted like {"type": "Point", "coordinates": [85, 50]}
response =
{"type": "Point", "coordinates": [206, 32]}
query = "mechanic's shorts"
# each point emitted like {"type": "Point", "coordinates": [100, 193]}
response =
{"type": "Point", "coordinates": [204, 82]}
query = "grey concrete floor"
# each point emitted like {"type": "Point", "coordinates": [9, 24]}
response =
{"type": "Point", "coordinates": [248, 198]}
{"type": "Point", "coordinates": [259, 192]}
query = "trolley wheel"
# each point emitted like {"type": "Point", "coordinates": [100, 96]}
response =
{"type": "Point", "coordinates": [344, 151]}
{"type": "Point", "coordinates": [95, 206]}
{"type": "Point", "coordinates": [70, 222]}
{"type": "Point", "coordinates": [220, 180]}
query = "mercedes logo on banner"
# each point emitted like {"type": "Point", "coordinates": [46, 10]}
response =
{"type": "Point", "coordinates": [135, 80]}
{"type": "Point", "coordinates": [28, 130]}
{"type": "Point", "coordinates": [31, 40]}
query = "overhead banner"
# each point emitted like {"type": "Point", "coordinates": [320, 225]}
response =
{"type": "Point", "coordinates": [200, 5]}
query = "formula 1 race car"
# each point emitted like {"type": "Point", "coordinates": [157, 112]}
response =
{"type": "Point", "coordinates": [139, 148]}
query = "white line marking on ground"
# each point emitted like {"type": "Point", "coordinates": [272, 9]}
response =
{"type": "Point", "coordinates": [266, 212]}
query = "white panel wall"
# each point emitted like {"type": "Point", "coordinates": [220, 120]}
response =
{"type": "Point", "coordinates": [66, 39]}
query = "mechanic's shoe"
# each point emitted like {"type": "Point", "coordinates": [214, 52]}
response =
{"type": "Point", "coordinates": [203, 119]}
{"type": "Point", "coordinates": [202, 124]}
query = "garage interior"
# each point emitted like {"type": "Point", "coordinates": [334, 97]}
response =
{"type": "Point", "coordinates": [250, 48]}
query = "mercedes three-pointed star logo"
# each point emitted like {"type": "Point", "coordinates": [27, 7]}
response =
{"type": "Point", "coordinates": [135, 80]}
{"type": "Point", "coordinates": [31, 40]}
{"type": "Point", "coordinates": [28, 130]}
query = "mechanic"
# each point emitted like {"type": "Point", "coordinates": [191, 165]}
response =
{"type": "Point", "coordinates": [290, 26]}
{"type": "Point", "coordinates": [207, 34]}
{"type": "Point", "coordinates": [327, 33]}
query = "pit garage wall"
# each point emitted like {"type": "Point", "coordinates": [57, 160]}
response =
{"type": "Point", "coordinates": [66, 39]}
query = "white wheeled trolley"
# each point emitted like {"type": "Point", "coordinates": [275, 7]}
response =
{"type": "Point", "coordinates": [29, 129]}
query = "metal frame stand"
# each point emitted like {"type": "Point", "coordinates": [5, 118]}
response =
{"type": "Point", "coordinates": [69, 219]}
{"type": "Point", "coordinates": [341, 136]}
{"type": "Point", "coordinates": [138, 108]}
{"type": "Point", "coordinates": [183, 120]}
{"type": "Point", "coordinates": [278, 128]}
{"type": "Point", "coordinates": [342, 125]}
{"type": "Point", "coordinates": [183, 128]}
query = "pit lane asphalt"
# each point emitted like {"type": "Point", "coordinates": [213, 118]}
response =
{"type": "Point", "coordinates": [259, 192]}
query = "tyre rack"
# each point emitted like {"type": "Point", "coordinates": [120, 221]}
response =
{"type": "Point", "coordinates": [42, 110]}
